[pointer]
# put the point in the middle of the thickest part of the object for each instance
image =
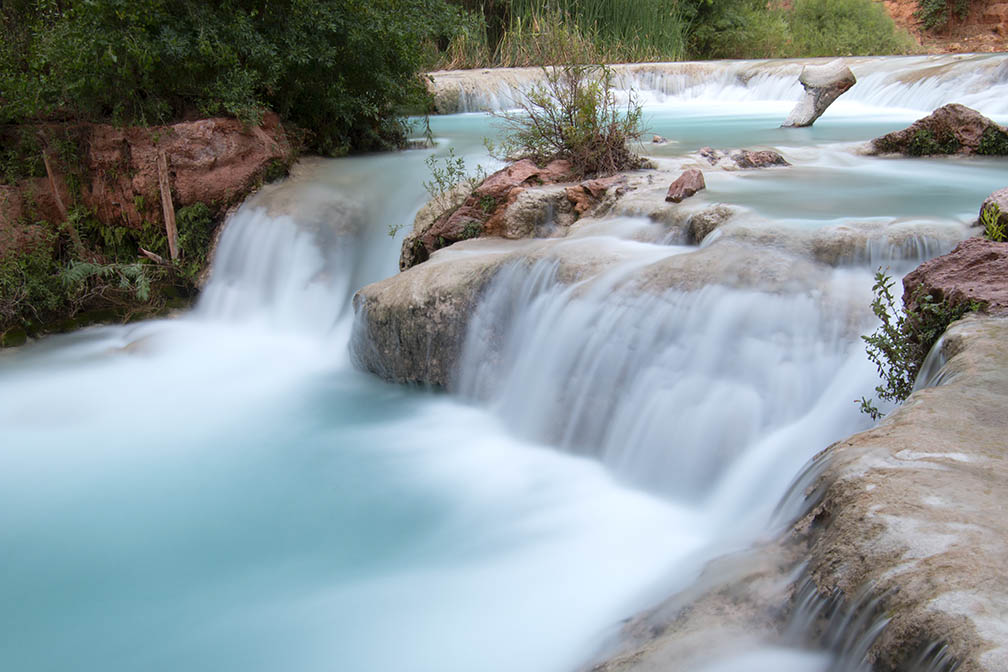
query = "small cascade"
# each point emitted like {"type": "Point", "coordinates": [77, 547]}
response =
{"type": "Point", "coordinates": [675, 392]}
{"type": "Point", "coordinates": [915, 83]}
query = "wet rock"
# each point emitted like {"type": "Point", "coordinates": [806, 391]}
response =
{"type": "Point", "coordinates": [743, 158]}
{"type": "Point", "coordinates": [976, 270]}
{"type": "Point", "coordinates": [659, 140]}
{"type": "Point", "coordinates": [951, 129]}
{"type": "Point", "coordinates": [700, 225]}
{"type": "Point", "coordinates": [686, 185]}
{"type": "Point", "coordinates": [911, 513]}
{"type": "Point", "coordinates": [823, 84]}
{"type": "Point", "coordinates": [519, 201]}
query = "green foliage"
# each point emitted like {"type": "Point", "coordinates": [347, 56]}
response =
{"type": "Point", "coordinates": [993, 224]}
{"type": "Point", "coordinates": [935, 14]}
{"type": "Point", "coordinates": [573, 115]}
{"type": "Point", "coordinates": [83, 277]}
{"type": "Point", "coordinates": [925, 143]}
{"type": "Point", "coordinates": [342, 69]}
{"type": "Point", "coordinates": [902, 341]}
{"type": "Point", "coordinates": [993, 142]}
{"type": "Point", "coordinates": [449, 174]}
{"type": "Point", "coordinates": [29, 285]}
{"type": "Point", "coordinates": [844, 28]}
{"type": "Point", "coordinates": [20, 155]}
{"type": "Point", "coordinates": [195, 228]}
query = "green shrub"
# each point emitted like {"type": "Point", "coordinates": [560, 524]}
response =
{"type": "Point", "coordinates": [936, 14]}
{"type": "Point", "coordinates": [993, 142]}
{"type": "Point", "coordinates": [344, 70]}
{"type": "Point", "coordinates": [573, 115]}
{"type": "Point", "coordinates": [925, 143]}
{"type": "Point", "coordinates": [902, 341]}
{"type": "Point", "coordinates": [844, 28]}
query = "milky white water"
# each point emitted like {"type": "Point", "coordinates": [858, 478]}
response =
{"type": "Point", "coordinates": [223, 491]}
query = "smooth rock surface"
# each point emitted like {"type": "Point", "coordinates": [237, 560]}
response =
{"type": "Point", "coordinates": [823, 85]}
{"type": "Point", "coordinates": [913, 512]}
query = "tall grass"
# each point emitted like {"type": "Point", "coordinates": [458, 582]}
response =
{"type": "Point", "coordinates": [511, 33]}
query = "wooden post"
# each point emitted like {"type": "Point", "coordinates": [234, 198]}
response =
{"type": "Point", "coordinates": [71, 229]}
{"type": "Point", "coordinates": [167, 207]}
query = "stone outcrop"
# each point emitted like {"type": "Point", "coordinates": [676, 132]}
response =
{"type": "Point", "coordinates": [976, 270]}
{"type": "Point", "coordinates": [951, 129]}
{"type": "Point", "coordinates": [743, 159]}
{"type": "Point", "coordinates": [911, 512]}
{"type": "Point", "coordinates": [823, 85]}
{"type": "Point", "coordinates": [521, 200]}
{"type": "Point", "coordinates": [686, 185]}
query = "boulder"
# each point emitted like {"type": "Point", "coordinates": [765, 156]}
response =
{"type": "Point", "coordinates": [951, 129]}
{"type": "Point", "coordinates": [686, 185]}
{"type": "Point", "coordinates": [976, 270]}
{"type": "Point", "coordinates": [823, 84]}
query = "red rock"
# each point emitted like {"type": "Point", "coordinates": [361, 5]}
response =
{"type": "Point", "coordinates": [951, 129]}
{"type": "Point", "coordinates": [687, 184]}
{"type": "Point", "coordinates": [764, 158]}
{"type": "Point", "coordinates": [976, 270]}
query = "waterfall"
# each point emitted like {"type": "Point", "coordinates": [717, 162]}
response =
{"type": "Point", "coordinates": [221, 489]}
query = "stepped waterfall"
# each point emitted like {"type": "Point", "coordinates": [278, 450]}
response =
{"type": "Point", "coordinates": [223, 490]}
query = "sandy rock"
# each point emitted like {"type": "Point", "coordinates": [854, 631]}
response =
{"type": "Point", "coordinates": [702, 223]}
{"type": "Point", "coordinates": [686, 185]}
{"type": "Point", "coordinates": [823, 84]}
{"type": "Point", "coordinates": [976, 270]}
{"type": "Point", "coordinates": [951, 129]}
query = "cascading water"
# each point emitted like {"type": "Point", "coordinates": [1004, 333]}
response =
{"type": "Point", "coordinates": [223, 491]}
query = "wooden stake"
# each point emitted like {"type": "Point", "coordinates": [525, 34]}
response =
{"type": "Point", "coordinates": [167, 207]}
{"type": "Point", "coordinates": [71, 229]}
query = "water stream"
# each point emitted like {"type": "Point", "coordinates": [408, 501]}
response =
{"type": "Point", "coordinates": [222, 490]}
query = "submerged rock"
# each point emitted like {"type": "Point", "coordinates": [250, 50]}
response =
{"type": "Point", "coordinates": [823, 84]}
{"type": "Point", "coordinates": [686, 185]}
{"type": "Point", "coordinates": [743, 158]}
{"type": "Point", "coordinates": [976, 270]}
{"type": "Point", "coordinates": [951, 129]}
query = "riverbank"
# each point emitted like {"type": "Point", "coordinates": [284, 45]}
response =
{"type": "Point", "coordinates": [105, 223]}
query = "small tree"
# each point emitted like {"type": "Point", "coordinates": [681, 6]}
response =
{"type": "Point", "coordinates": [574, 115]}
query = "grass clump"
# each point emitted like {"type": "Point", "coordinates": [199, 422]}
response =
{"type": "Point", "coordinates": [844, 28]}
{"type": "Point", "coordinates": [993, 224]}
{"type": "Point", "coordinates": [574, 115]}
{"type": "Point", "coordinates": [926, 143]}
{"type": "Point", "coordinates": [900, 344]}
{"type": "Point", "coordinates": [993, 142]}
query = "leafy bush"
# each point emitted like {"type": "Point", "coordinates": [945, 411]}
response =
{"type": "Point", "coordinates": [902, 341]}
{"type": "Point", "coordinates": [574, 115]}
{"type": "Point", "coordinates": [343, 70]}
{"type": "Point", "coordinates": [937, 13]}
{"type": "Point", "coordinates": [844, 28]}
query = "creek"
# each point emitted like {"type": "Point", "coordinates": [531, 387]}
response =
{"type": "Point", "coordinates": [223, 490]}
